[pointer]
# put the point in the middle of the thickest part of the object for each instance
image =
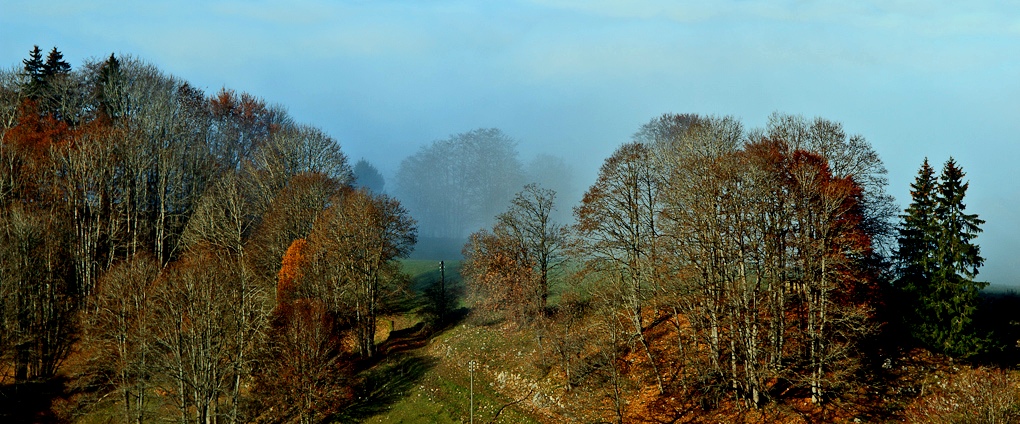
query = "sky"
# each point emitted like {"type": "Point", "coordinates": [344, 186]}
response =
{"type": "Point", "coordinates": [576, 78]}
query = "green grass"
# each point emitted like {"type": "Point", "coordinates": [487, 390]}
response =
{"type": "Point", "coordinates": [432, 384]}
{"type": "Point", "coordinates": [441, 392]}
{"type": "Point", "coordinates": [425, 273]}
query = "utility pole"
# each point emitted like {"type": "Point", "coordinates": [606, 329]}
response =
{"type": "Point", "coordinates": [442, 293]}
{"type": "Point", "coordinates": [471, 370]}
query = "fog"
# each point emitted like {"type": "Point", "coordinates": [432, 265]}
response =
{"type": "Point", "coordinates": [572, 80]}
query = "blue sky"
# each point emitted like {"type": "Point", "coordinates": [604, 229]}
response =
{"type": "Point", "coordinates": [577, 78]}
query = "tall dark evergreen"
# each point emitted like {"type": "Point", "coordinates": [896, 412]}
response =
{"type": "Point", "coordinates": [939, 261]}
{"type": "Point", "coordinates": [958, 259]}
{"type": "Point", "coordinates": [917, 240]}
{"type": "Point", "coordinates": [110, 89]}
{"type": "Point", "coordinates": [55, 64]}
{"type": "Point", "coordinates": [34, 71]}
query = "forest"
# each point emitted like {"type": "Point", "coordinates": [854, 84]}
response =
{"type": "Point", "coordinates": [168, 254]}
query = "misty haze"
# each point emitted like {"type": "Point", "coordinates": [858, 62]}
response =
{"type": "Point", "coordinates": [513, 212]}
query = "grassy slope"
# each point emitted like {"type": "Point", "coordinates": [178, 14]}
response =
{"type": "Point", "coordinates": [431, 384]}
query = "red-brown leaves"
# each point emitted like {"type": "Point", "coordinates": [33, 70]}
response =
{"type": "Point", "coordinates": [500, 276]}
{"type": "Point", "coordinates": [291, 272]}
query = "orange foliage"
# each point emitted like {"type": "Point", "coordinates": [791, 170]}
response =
{"type": "Point", "coordinates": [33, 137]}
{"type": "Point", "coordinates": [290, 272]}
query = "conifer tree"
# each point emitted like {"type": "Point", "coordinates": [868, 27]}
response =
{"type": "Point", "coordinates": [917, 235]}
{"type": "Point", "coordinates": [110, 88]}
{"type": "Point", "coordinates": [957, 261]}
{"type": "Point", "coordinates": [939, 261]}
{"type": "Point", "coordinates": [34, 71]}
{"type": "Point", "coordinates": [55, 64]}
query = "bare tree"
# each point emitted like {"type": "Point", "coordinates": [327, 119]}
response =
{"type": "Point", "coordinates": [528, 221]}
{"type": "Point", "coordinates": [38, 309]}
{"type": "Point", "coordinates": [118, 334]}
{"type": "Point", "coordinates": [357, 240]}
{"type": "Point", "coordinates": [617, 229]}
{"type": "Point", "coordinates": [206, 326]}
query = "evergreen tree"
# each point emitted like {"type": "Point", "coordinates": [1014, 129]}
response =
{"type": "Point", "coordinates": [918, 232]}
{"type": "Point", "coordinates": [368, 176]}
{"type": "Point", "coordinates": [110, 89]}
{"type": "Point", "coordinates": [939, 261]}
{"type": "Point", "coordinates": [55, 64]}
{"type": "Point", "coordinates": [958, 260]}
{"type": "Point", "coordinates": [34, 71]}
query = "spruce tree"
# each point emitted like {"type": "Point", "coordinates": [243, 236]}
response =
{"type": "Point", "coordinates": [55, 64]}
{"type": "Point", "coordinates": [34, 71]}
{"type": "Point", "coordinates": [918, 233]}
{"type": "Point", "coordinates": [957, 259]}
{"type": "Point", "coordinates": [110, 90]}
{"type": "Point", "coordinates": [938, 262]}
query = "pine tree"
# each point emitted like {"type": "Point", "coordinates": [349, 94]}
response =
{"type": "Point", "coordinates": [368, 176]}
{"type": "Point", "coordinates": [938, 261]}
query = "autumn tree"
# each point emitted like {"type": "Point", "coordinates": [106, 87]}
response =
{"type": "Point", "coordinates": [290, 216]}
{"type": "Point", "coordinates": [357, 241]}
{"type": "Point", "coordinates": [512, 263]}
{"type": "Point", "coordinates": [618, 229]}
{"type": "Point", "coordinates": [500, 275]}
{"type": "Point", "coordinates": [305, 371]}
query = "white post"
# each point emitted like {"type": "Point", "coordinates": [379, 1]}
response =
{"type": "Point", "coordinates": [471, 371]}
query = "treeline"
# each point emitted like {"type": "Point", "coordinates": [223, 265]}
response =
{"type": "Point", "coordinates": [719, 264]}
{"type": "Point", "coordinates": [456, 185]}
{"type": "Point", "coordinates": [143, 224]}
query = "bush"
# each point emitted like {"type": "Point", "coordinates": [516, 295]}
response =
{"type": "Point", "coordinates": [970, 396]}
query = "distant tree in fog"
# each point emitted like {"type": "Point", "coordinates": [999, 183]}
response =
{"type": "Point", "coordinates": [553, 173]}
{"type": "Point", "coordinates": [458, 184]}
{"type": "Point", "coordinates": [366, 175]}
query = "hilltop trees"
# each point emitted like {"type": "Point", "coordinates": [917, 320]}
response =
{"type": "Point", "coordinates": [754, 247]}
{"type": "Point", "coordinates": [939, 261]}
{"type": "Point", "coordinates": [148, 220]}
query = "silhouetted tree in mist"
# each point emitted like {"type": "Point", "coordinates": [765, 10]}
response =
{"type": "Point", "coordinates": [456, 185]}
{"type": "Point", "coordinates": [366, 175]}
